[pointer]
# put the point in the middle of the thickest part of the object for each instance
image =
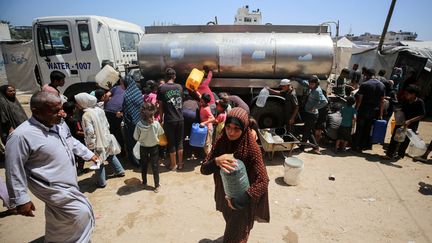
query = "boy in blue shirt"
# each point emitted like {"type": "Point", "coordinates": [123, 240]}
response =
{"type": "Point", "coordinates": [349, 114]}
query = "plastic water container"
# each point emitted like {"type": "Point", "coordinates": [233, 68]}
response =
{"type": "Point", "coordinates": [417, 149]}
{"type": "Point", "coordinates": [400, 135]}
{"type": "Point", "coordinates": [378, 131]}
{"type": "Point", "coordinates": [262, 97]}
{"type": "Point", "coordinates": [392, 125]}
{"type": "Point", "coordinates": [399, 116]}
{"type": "Point", "coordinates": [198, 135]}
{"type": "Point", "coordinates": [163, 141]}
{"type": "Point", "coordinates": [194, 79]}
{"type": "Point", "coordinates": [236, 182]}
{"type": "Point", "coordinates": [413, 136]}
{"type": "Point", "coordinates": [107, 77]}
{"type": "Point", "coordinates": [293, 167]}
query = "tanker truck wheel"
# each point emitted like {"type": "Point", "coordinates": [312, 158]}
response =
{"type": "Point", "coordinates": [271, 115]}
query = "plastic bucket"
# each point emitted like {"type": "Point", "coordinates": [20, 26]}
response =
{"type": "Point", "coordinates": [293, 168]}
{"type": "Point", "coordinates": [194, 79]}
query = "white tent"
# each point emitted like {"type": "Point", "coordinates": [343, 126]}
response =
{"type": "Point", "coordinates": [343, 54]}
{"type": "Point", "coordinates": [412, 55]}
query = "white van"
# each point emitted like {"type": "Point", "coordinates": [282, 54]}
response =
{"type": "Point", "coordinates": [79, 45]}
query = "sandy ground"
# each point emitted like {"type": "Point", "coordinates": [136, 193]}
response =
{"type": "Point", "coordinates": [370, 201]}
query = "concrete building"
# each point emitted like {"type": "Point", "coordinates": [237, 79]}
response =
{"type": "Point", "coordinates": [244, 17]}
{"type": "Point", "coordinates": [392, 37]}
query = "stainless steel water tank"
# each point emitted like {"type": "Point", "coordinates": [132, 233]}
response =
{"type": "Point", "coordinates": [237, 55]}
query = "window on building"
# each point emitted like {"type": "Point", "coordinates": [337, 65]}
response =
{"type": "Point", "coordinates": [247, 19]}
{"type": "Point", "coordinates": [84, 36]}
{"type": "Point", "coordinates": [128, 41]}
{"type": "Point", "coordinates": [53, 40]}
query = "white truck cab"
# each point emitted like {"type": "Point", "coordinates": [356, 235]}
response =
{"type": "Point", "coordinates": [79, 45]}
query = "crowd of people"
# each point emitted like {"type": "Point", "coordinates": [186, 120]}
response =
{"type": "Point", "coordinates": [47, 151]}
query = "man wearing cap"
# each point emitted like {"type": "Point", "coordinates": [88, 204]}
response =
{"type": "Point", "coordinates": [291, 105]}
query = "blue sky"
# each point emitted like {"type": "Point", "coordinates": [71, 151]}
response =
{"type": "Point", "coordinates": [355, 17]}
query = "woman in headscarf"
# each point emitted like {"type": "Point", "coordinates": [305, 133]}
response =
{"type": "Point", "coordinates": [239, 213]}
{"type": "Point", "coordinates": [97, 136]}
{"type": "Point", "coordinates": [12, 113]}
{"type": "Point", "coordinates": [132, 103]}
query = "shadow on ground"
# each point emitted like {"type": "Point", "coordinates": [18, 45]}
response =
{"type": "Point", "coordinates": [206, 240]}
{"type": "Point", "coordinates": [38, 240]}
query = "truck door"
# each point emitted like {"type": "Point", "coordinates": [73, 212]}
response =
{"type": "Point", "coordinates": [55, 50]}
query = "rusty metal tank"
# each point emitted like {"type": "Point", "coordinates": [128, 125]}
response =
{"type": "Point", "coordinates": [251, 52]}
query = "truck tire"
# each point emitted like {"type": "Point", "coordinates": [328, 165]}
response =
{"type": "Point", "coordinates": [77, 88]}
{"type": "Point", "coordinates": [271, 115]}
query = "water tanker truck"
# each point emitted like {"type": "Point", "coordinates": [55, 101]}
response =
{"type": "Point", "coordinates": [243, 58]}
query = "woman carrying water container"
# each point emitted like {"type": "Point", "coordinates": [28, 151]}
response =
{"type": "Point", "coordinates": [238, 146]}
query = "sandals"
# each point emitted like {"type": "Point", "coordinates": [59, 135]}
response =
{"type": "Point", "coordinates": [180, 166]}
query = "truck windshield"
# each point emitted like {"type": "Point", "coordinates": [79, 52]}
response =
{"type": "Point", "coordinates": [128, 41]}
{"type": "Point", "coordinates": [53, 40]}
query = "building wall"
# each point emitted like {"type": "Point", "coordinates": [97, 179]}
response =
{"type": "Point", "coordinates": [244, 17]}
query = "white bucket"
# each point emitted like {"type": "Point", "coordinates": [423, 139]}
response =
{"type": "Point", "coordinates": [107, 77]}
{"type": "Point", "coordinates": [293, 167]}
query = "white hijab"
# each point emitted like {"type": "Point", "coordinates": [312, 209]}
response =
{"type": "Point", "coordinates": [85, 100]}
{"type": "Point", "coordinates": [95, 125]}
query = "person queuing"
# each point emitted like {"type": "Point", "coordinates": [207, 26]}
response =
{"type": "Point", "coordinates": [114, 111]}
{"type": "Point", "coordinates": [414, 110]}
{"type": "Point", "coordinates": [170, 99]}
{"type": "Point", "coordinates": [234, 101]}
{"type": "Point", "coordinates": [315, 100]}
{"type": "Point", "coordinates": [147, 133]}
{"type": "Point", "coordinates": [207, 119]}
{"type": "Point", "coordinates": [40, 155]}
{"type": "Point", "coordinates": [291, 104]}
{"type": "Point", "coordinates": [97, 136]}
{"type": "Point", "coordinates": [76, 130]}
{"type": "Point", "coordinates": [131, 115]}
{"type": "Point", "coordinates": [348, 114]}
{"type": "Point", "coordinates": [57, 79]}
{"type": "Point", "coordinates": [12, 113]}
{"type": "Point", "coordinates": [204, 88]}
{"type": "Point", "coordinates": [370, 106]}
{"type": "Point", "coordinates": [221, 107]}
{"type": "Point", "coordinates": [239, 213]}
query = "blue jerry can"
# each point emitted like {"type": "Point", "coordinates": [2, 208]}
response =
{"type": "Point", "coordinates": [378, 131]}
{"type": "Point", "coordinates": [198, 135]}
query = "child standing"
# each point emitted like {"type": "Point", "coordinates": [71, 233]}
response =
{"type": "Point", "coordinates": [76, 130]}
{"type": "Point", "coordinates": [207, 119]}
{"type": "Point", "coordinates": [348, 121]}
{"type": "Point", "coordinates": [100, 96]}
{"type": "Point", "coordinates": [147, 132]}
{"type": "Point", "coordinates": [221, 107]}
